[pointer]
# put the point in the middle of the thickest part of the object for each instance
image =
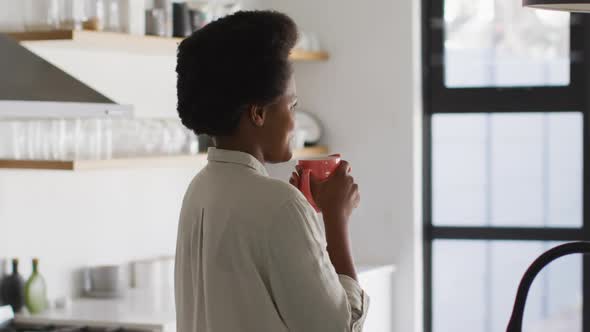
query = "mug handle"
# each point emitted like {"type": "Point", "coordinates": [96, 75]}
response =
{"type": "Point", "coordinates": [305, 187]}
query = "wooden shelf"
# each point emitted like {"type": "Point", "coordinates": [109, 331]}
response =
{"type": "Point", "coordinates": [302, 55]}
{"type": "Point", "coordinates": [314, 151]}
{"type": "Point", "coordinates": [152, 162]}
{"type": "Point", "coordinates": [120, 42]}
{"type": "Point", "coordinates": [78, 165]}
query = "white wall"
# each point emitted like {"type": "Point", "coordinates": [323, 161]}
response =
{"type": "Point", "coordinates": [74, 219]}
{"type": "Point", "coordinates": [367, 96]}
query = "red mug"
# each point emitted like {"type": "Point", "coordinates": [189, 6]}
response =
{"type": "Point", "coordinates": [321, 168]}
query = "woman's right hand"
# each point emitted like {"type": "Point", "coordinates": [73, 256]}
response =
{"type": "Point", "coordinates": [338, 195]}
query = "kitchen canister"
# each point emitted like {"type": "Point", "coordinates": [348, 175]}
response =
{"type": "Point", "coordinates": [153, 273]}
{"type": "Point", "coordinates": [167, 270]}
{"type": "Point", "coordinates": [107, 281]}
{"type": "Point", "coordinates": [145, 274]}
{"type": "Point", "coordinates": [3, 268]}
{"type": "Point", "coordinates": [3, 273]}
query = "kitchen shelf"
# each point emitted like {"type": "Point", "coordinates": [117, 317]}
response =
{"type": "Point", "coordinates": [160, 161]}
{"type": "Point", "coordinates": [120, 42]}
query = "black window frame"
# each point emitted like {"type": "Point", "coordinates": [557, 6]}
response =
{"type": "Point", "coordinates": [437, 98]}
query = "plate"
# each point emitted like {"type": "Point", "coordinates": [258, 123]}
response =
{"type": "Point", "coordinates": [310, 124]}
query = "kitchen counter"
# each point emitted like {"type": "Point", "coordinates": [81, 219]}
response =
{"type": "Point", "coordinates": [377, 281]}
{"type": "Point", "coordinates": [154, 311]}
{"type": "Point", "coordinates": [364, 271]}
{"type": "Point", "coordinates": [140, 310]}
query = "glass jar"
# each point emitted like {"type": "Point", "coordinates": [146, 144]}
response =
{"type": "Point", "coordinates": [94, 15]}
{"type": "Point", "coordinates": [201, 13]}
{"type": "Point", "coordinates": [112, 16]}
{"type": "Point", "coordinates": [158, 18]}
{"type": "Point", "coordinates": [72, 14]}
{"type": "Point", "coordinates": [41, 15]}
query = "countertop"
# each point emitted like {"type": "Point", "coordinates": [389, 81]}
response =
{"type": "Point", "coordinates": [370, 269]}
{"type": "Point", "coordinates": [138, 310]}
{"type": "Point", "coordinates": [141, 310]}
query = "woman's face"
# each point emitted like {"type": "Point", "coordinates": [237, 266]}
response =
{"type": "Point", "coordinates": [279, 125]}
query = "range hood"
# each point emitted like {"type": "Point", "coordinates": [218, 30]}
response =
{"type": "Point", "coordinates": [30, 86]}
{"type": "Point", "coordinates": [574, 6]}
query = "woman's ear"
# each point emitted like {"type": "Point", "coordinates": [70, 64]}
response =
{"type": "Point", "coordinates": [257, 115]}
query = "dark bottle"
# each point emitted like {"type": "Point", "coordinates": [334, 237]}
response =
{"type": "Point", "coordinates": [3, 274]}
{"type": "Point", "coordinates": [12, 290]}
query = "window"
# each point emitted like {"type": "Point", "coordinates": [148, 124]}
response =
{"type": "Point", "coordinates": [499, 43]}
{"type": "Point", "coordinates": [505, 144]}
{"type": "Point", "coordinates": [509, 169]}
{"type": "Point", "coordinates": [476, 282]}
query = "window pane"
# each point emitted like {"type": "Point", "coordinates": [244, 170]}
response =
{"type": "Point", "coordinates": [498, 43]}
{"type": "Point", "coordinates": [475, 283]}
{"type": "Point", "coordinates": [516, 144]}
{"type": "Point", "coordinates": [459, 169]}
{"type": "Point", "coordinates": [506, 169]}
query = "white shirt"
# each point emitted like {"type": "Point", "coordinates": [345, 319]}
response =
{"type": "Point", "coordinates": [251, 256]}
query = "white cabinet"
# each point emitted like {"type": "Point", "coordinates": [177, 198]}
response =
{"type": "Point", "coordinates": [377, 281]}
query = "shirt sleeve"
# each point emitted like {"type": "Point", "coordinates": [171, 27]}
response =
{"type": "Point", "coordinates": [308, 293]}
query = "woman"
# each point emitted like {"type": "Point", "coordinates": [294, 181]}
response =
{"type": "Point", "coordinates": [250, 253]}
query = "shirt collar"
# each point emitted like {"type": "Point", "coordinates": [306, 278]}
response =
{"type": "Point", "coordinates": [236, 157]}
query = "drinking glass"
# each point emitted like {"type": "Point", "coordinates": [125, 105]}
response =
{"type": "Point", "coordinates": [41, 15]}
